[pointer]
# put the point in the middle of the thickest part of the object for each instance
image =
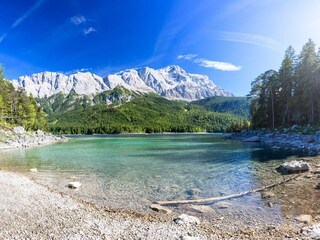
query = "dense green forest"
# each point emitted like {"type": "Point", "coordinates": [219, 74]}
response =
{"type": "Point", "coordinates": [16, 108]}
{"type": "Point", "coordinates": [146, 113]}
{"type": "Point", "coordinates": [235, 105]}
{"type": "Point", "coordinates": [292, 94]}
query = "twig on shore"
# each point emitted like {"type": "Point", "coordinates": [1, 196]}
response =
{"type": "Point", "coordinates": [207, 200]}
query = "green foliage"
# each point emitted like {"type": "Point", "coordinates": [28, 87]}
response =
{"type": "Point", "coordinates": [16, 108]}
{"type": "Point", "coordinates": [290, 96]}
{"type": "Point", "coordinates": [233, 105]}
{"type": "Point", "coordinates": [147, 113]}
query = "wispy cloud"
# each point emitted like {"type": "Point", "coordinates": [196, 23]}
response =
{"type": "Point", "coordinates": [18, 21]}
{"type": "Point", "coordinates": [77, 70]}
{"type": "Point", "coordinates": [3, 36]}
{"type": "Point", "coordinates": [223, 66]}
{"type": "Point", "coordinates": [23, 17]}
{"type": "Point", "coordinates": [88, 30]}
{"type": "Point", "coordinates": [187, 56]}
{"type": "Point", "coordinates": [249, 38]}
{"type": "Point", "coordinates": [78, 19]}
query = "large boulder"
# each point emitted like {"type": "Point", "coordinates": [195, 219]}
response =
{"type": "Point", "coordinates": [293, 167]}
{"type": "Point", "coordinates": [18, 130]}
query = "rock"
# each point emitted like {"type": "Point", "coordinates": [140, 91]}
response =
{"type": "Point", "coordinates": [74, 185]}
{"type": "Point", "coordinates": [313, 232]}
{"type": "Point", "coordinates": [270, 204]}
{"type": "Point", "coordinates": [307, 139]}
{"type": "Point", "coordinates": [294, 128]}
{"type": "Point", "coordinates": [193, 191]}
{"type": "Point", "coordinates": [252, 139]}
{"type": "Point", "coordinates": [161, 209]}
{"type": "Point", "coordinates": [303, 218]}
{"type": "Point", "coordinates": [187, 219]}
{"type": "Point", "coordinates": [40, 133]}
{"type": "Point", "coordinates": [33, 170]}
{"type": "Point", "coordinates": [189, 238]}
{"type": "Point", "coordinates": [318, 186]}
{"type": "Point", "coordinates": [201, 209]}
{"type": "Point", "coordinates": [275, 147]}
{"type": "Point", "coordinates": [222, 205]}
{"type": "Point", "coordinates": [18, 130]}
{"type": "Point", "coordinates": [267, 195]}
{"type": "Point", "coordinates": [293, 167]}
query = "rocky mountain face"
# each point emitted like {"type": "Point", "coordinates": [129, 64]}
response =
{"type": "Point", "coordinates": [171, 82]}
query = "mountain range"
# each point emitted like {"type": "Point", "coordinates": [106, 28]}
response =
{"type": "Point", "coordinates": [171, 82]}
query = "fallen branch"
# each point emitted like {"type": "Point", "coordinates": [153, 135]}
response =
{"type": "Point", "coordinates": [207, 200]}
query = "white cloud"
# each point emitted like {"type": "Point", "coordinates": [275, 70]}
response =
{"type": "Point", "coordinates": [223, 66]}
{"type": "Point", "coordinates": [187, 56]}
{"type": "Point", "coordinates": [248, 38]}
{"type": "Point", "coordinates": [88, 30]}
{"type": "Point", "coordinates": [78, 19]}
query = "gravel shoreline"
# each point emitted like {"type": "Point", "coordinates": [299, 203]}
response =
{"type": "Point", "coordinates": [32, 211]}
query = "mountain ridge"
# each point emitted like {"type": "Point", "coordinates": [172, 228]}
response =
{"type": "Point", "coordinates": [171, 82]}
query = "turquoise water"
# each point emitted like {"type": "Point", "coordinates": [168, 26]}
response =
{"type": "Point", "coordinates": [132, 169]}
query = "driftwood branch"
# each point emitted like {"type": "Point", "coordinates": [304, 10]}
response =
{"type": "Point", "coordinates": [208, 200]}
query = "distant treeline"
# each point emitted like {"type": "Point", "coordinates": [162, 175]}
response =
{"type": "Point", "coordinates": [16, 108]}
{"type": "Point", "coordinates": [292, 94]}
{"type": "Point", "coordinates": [147, 114]}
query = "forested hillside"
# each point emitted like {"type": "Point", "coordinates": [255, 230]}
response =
{"type": "Point", "coordinates": [148, 113]}
{"type": "Point", "coordinates": [290, 95]}
{"type": "Point", "coordinates": [235, 105]}
{"type": "Point", "coordinates": [16, 108]}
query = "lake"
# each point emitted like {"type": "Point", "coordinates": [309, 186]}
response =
{"type": "Point", "coordinates": [125, 171]}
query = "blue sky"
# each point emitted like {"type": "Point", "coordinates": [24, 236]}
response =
{"type": "Point", "coordinates": [230, 41]}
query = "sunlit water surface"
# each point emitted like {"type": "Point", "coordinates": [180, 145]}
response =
{"type": "Point", "coordinates": [126, 171]}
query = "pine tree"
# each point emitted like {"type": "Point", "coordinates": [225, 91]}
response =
{"type": "Point", "coordinates": [286, 91]}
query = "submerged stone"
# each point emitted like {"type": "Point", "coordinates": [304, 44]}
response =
{"type": "Point", "coordinates": [161, 209]}
{"type": "Point", "coordinates": [252, 139]}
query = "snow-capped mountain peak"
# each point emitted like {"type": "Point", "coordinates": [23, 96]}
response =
{"type": "Point", "coordinates": [171, 82]}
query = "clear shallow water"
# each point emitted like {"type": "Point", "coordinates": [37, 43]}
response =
{"type": "Point", "coordinates": [127, 169]}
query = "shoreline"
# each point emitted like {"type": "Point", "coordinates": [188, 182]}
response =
{"type": "Point", "coordinates": [308, 144]}
{"type": "Point", "coordinates": [66, 216]}
{"type": "Point", "coordinates": [17, 138]}
{"type": "Point", "coordinates": [31, 210]}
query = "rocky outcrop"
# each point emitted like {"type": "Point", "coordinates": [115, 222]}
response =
{"type": "Point", "coordinates": [306, 143]}
{"type": "Point", "coordinates": [19, 138]}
